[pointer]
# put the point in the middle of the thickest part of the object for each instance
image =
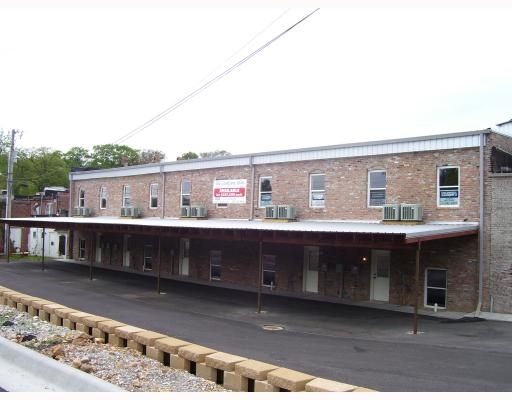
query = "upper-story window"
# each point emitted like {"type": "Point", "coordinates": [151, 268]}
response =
{"type": "Point", "coordinates": [186, 188]}
{"type": "Point", "coordinates": [317, 190]}
{"type": "Point", "coordinates": [153, 195]}
{"type": "Point", "coordinates": [265, 191]}
{"type": "Point", "coordinates": [103, 197]}
{"type": "Point", "coordinates": [448, 187]}
{"type": "Point", "coordinates": [376, 188]}
{"type": "Point", "coordinates": [81, 198]}
{"type": "Point", "coordinates": [127, 196]}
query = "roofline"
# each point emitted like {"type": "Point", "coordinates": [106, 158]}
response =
{"type": "Point", "coordinates": [248, 158]}
{"type": "Point", "coordinates": [503, 123]}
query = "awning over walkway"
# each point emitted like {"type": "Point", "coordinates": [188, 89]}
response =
{"type": "Point", "coordinates": [362, 233]}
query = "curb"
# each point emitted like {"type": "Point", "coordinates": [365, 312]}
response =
{"type": "Point", "coordinates": [25, 370]}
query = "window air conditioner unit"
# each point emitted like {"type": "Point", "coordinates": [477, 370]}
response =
{"type": "Point", "coordinates": [185, 212]}
{"type": "Point", "coordinates": [131, 212]}
{"type": "Point", "coordinates": [411, 212]}
{"type": "Point", "coordinates": [286, 211]}
{"type": "Point", "coordinates": [198, 211]}
{"type": "Point", "coordinates": [81, 212]}
{"type": "Point", "coordinates": [391, 212]}
{"type": "Point", "coordinates": [270, 211]}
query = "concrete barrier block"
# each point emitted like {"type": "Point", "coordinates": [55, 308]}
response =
{"type": "Point", "coordinates": [64, 312]}
{"type": "Point", "coordinates": [155, 354]}
{"type": "Point", "coordinates": [68, 324]}
{"type": "Point", "coordinates": [92, 321]}
{"type": "Point", "coordinates": [98, 334]}
{"type": "Point", "coordinates": [115, 340]}
{"type": "Point", "coordinates": [170, 345]}
{"type": "Point", "coordinates": [195, 353]}
{"type": "Point", "coordinates": [21, 307]}
{"type": "Point", "coordinates": [363, 389]}
{"type": "Point", "coordinates": [109, 326]}
{"type": "Point", "coordinates": [134, 345]}
{"type": "Point", "coordinates": [39, 303]}
{"type": "Point", "coordinates": [78, 316]}
{"type": "Point", "coordinates": [223, 361]}
{"type": "Point", "coordinates": [147, 338]}
{"type": "Point", "coordinates": [206, 372]}
{"type": "Point", "coordinates": [264, 386]}
{"type": "Point", "coordinates": [326, 385]}
{"type": "Point", "coordinates": [55, 320]}
{"type": "Point", "coordinates": [27, 300]}
{"type": "Point", "coordinates": [253, 369]}
{"type": "Point", "coordinates": [81, 327]}
{"type": "Point", "coordinates": [179, 362]}
{"type": "Point", "coordinates": [127, 331]}
{"type": "Point", "coordinates": [51, 308]}
{"type": "Point", "coordinates": [235, 382]}
{"type": "Point", "coordinates": [289, 379]}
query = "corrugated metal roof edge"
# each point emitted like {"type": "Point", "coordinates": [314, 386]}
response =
{"type": "Point", "coordinates": [160, 166]}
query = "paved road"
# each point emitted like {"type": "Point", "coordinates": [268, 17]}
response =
{"type": "Point", "coordinates": [361, 346]}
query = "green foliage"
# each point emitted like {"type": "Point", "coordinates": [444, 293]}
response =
{"type": "Point", "coordinates": [77, 157]}
{"type": "Point", "coordinates": [150, 156]}
{"type": "Point", "coordinates": [188, 156]}
{"type": "Point", "coordinates": [112, 155]}
{"type": "Point", "coordinates": [214, 154]}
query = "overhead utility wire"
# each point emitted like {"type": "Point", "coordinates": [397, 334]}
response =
{"type": "Point", "coordinates": [209, 83]}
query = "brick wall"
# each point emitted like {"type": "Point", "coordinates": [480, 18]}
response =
{"type": "Point", "coordinates": [411, 178]}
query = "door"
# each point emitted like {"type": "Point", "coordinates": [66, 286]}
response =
{"type": "Point", "coordinates": [184, 256]}
{"type": "Point", "coordinates": [311, 267]}
{"type": "Point", "coordinates": [380, 275]}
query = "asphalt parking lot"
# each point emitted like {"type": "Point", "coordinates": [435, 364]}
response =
{"type": "Point", "coordinates": [357, 345]}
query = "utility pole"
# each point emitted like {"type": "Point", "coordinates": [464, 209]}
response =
{"type": "Point", "coordinates": [8, 200]}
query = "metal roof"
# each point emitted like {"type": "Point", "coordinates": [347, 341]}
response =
{"type": "Point", "coordinates": [371, 148]}
{"type": "Point", "coordinates": [410, 233]}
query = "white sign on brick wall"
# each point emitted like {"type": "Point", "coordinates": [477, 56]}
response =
{"type": "Point", "coordinates": [229, 191]}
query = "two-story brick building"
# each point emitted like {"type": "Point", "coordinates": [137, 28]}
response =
{"type": "Point", "coordinates": [382, 221]}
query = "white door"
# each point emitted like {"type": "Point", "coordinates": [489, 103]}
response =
{"type": "Point", "coordinates": [311, 267]}
{"type": "Point", "coordinates": [380, 275]}
{"type": "Point", "coordinates": [184, 256]}
{"type": "Point", "coordinates": [126, 251]}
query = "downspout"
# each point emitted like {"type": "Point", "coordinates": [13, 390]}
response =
{"type": "Point", "coordinates": [162, 177]}
{"type": "Point", "coordinates": [253, 173]}
{"type": "Point", "coordinates": [481, 229]}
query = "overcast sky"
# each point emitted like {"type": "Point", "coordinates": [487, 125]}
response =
{"type": "Point", "coordinates": [86, 76]}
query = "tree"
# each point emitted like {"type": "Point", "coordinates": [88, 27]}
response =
{"type": "Point", "coordinates": [37, 168]}
{"type": "Point", "coordinates": [77, 157]}
{"type": "Point", "coordinates": [112, 156]}
{"type": "Point", "coordinates": [151, 156]}
{"type": "Point", "coordinates": [188, 156]}
{"type": "Point", "coordinates": [215, 154]}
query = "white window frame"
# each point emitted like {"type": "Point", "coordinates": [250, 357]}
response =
{"type": "Point", "coordinates": [81, 197]}
{"type": "Point", "coordinates": [215, 253]}
{"type": "Point", "coordinates": [262, 178]}
{"type": "Point", "coordinates": [103, 197]}
{"type": "Point", "coordinates": [448, 188]}
{"type": "Point", "coordinates": [127, 196]}
{"type": "Point", "coordinates": [269, 265]}
{"type": "Point", "coordinates": [445, 288]}
{"type": "Point", "coordinates": [184, 193]}
{"type": "Point", "coordinates": [153, 195]}
{"type": "Point", "coordinates": [370, 189]}
{"type": "Point", "coordinates": [316, 191]}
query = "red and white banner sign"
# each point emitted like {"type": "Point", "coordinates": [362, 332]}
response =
{"type": "Point", "coordinates": [229, 191]}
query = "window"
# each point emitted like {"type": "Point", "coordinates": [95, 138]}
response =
{"type": "Point", "coordinates": [269, 270]}
{"type": "Point", "coordinates": [435, 287]}
{"type": "Point", "coordinates": [186, 188]}
{"type": "Point", "coordinates": [81, 198]}
{"type": "Point", "coordinates": [50, 208]}
{"type": "Point", "coordinates": [148, 258]}
{"type": "Point", "coordinates": [448, 192]}
{"type": "Point", "coordinates": [265, 191]}
{"type": "Point", "coordinates": [317, 190]}
{"type": "Point", "coordinates": [127, 196]}
{"type": "Point", "coordinates": [376, 188]}
{"type": "Point", "coordinates": [81, 249]}
{"type": "Point", "coordinates": [153, 195]}
{"type": "Point", "coordinates": [103, 197]}
{"type": "Point", "coordinates": [215, 264]}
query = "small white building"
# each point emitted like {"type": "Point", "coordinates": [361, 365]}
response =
{"type": "Point", "coordinates": [55, 242]}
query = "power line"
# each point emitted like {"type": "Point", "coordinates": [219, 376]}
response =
{"type": "Point", "coordinates": [209, 83]}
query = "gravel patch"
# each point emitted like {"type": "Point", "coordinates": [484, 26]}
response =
{"type": "Point", "coordinates": [123, 367]}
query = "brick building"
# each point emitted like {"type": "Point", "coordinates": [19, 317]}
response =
{"type": "Point", "coordinates": [385, 221]}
